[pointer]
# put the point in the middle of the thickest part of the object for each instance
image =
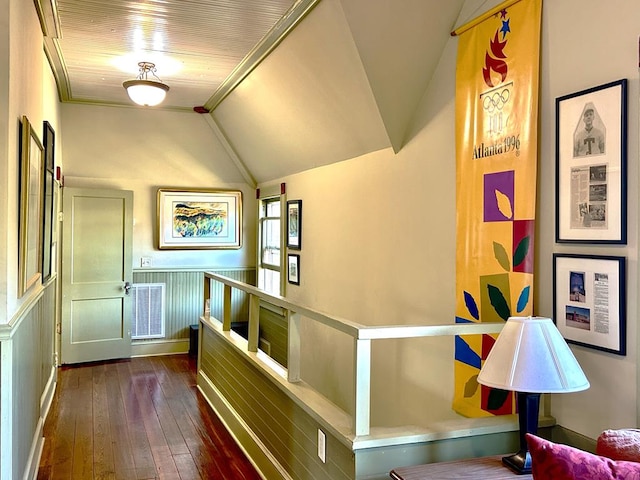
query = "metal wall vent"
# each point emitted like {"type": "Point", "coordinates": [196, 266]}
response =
{"type": "Point", "coordinates": [148, 311]}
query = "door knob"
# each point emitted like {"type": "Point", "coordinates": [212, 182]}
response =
{"type": "Point", "coordinates": [127, 288]}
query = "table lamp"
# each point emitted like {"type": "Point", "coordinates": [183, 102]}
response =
{"type": "Point", "coordinates": [530, 357]}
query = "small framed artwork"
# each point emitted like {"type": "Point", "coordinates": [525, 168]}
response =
{"type": "Point", "coordinates": [591, 165]}
{"type": "Point", "coordinates": [293, 268]}
{"type": "Point", "coordinates": [48, 201]}
{"type": "Point", "coordinates": [199, 219]}
{"type": "Point", "coordinates": [294, 224]}
{"type": "Point", "coordinates": [590, 301]}
{"type": "Point", "coordinates": [31, 192]}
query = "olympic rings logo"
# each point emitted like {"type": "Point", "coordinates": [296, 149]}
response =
{"type": "Point", "coordinates": [496, 101]}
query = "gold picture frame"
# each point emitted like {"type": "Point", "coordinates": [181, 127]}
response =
{"type": "Point", "coordinates": [31, 182]}
{"type": "Point", "coordinates": [192, 219]}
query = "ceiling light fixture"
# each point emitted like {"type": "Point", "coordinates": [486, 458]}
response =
{"type": "Point", "coordinates": [144, 91]}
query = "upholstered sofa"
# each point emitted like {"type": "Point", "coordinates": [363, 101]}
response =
{"type": "Point", "coordinates": [617, 457]}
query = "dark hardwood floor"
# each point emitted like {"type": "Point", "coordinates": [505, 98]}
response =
{"type": "Point", "coordinates": [137, 419]}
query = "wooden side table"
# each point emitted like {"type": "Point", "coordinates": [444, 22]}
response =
{"type": "Point", "coordinates": [472, 469]}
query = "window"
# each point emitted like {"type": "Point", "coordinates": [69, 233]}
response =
{"type": "Point", "coordinates": [269, 261]}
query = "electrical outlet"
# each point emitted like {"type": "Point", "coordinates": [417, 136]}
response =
{"type": "Point", "coordinates": [145, 262]}
{"type": "Point", "coordinates": [322, 446]}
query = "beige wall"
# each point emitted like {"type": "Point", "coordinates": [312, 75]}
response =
{"type": "Point", "coordinates": [378, 230]}
{"type": "Point", "coordinates": [379, 233]}
{"type": "Point", "coordinates": [573, 60]}
{"type": "Point", "coordinates": [27, 372]}
{"type": "Point", "coordinates": [4, 155]}
{"type": "Point", "coordinates": [378, 248]}
{"type": "Point", "coordinates": [21, 91]}
{"type": "Point", "coordinates": [144, 149]}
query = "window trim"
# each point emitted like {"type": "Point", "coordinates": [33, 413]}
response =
{"type": "Point", "coordinates": [272, 193]}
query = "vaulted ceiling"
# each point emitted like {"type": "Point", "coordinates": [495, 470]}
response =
{"type": "Point", "coordinates": [290, 84]}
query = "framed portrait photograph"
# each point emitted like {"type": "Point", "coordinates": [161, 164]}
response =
{"type": "Point", "coordinates": [591, 165]}
{"type": "Point", "coordinates": [199, 219]}
{"type": "Point", "coordinates": [294, 224]}
{"type": "Point", "coordinates": [293, 268]}
{"type": "Point", "coordinates": [590, 301]}
{"type": "Point", "coordinates": [31, 192]}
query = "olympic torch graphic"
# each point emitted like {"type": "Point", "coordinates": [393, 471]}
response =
{"type": "Point", "coordinates": [495, 73]}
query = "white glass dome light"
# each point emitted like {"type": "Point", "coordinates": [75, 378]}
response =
{"type": "Point", "coordinates": [143, 91]}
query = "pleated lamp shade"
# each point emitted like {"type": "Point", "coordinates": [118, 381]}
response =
{"type": "Point", "coordinates": [530, 355]}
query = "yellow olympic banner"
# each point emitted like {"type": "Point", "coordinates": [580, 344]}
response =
{"type": "Point", "coordinates": [496, 160]}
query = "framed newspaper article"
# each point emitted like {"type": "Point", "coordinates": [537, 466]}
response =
{"type": "Point", "coordinates": [591, 165]}
{"type": "Point", "coordinates": [590, 302]}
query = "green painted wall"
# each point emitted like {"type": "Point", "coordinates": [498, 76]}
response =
{"type": "Point", "coordinates": [27, 372]}
{"type": "Point", "coordinates": [274, 329]}
{"type": "Point", "coordinates": [285, 429]}
{"type": "Point", "coordinates": [184, 297]}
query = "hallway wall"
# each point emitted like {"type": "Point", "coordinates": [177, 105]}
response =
{"type": "Point", "coordinates": [146, 149]}
{"type": "Point", "coordinates": [379, 233]}
{"type": "Point", "coordinates": [27, 373]}
{"type": "Point", "coordinates": [378, 229]}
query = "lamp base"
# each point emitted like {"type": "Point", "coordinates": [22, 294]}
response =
{"type": "Point", "coordinates": [528, 408]}
{"type": "Point", "coordinates": [519, 462]}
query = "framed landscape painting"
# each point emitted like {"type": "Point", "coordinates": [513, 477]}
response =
{"type": "Point", "coordinates": [194, 219]}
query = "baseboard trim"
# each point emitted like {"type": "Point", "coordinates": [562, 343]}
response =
{"type": "Point", "coordinates": [560, 434]}
{"type": "Point", "coordinates": [37, 445]}
{"type": "Point", "coordinates": [162, 347]}
{"type": "Point", "coordinates": [47, 396]}
{"type": "Point", "coordinates": [33, 461]}
{"type": "Point", "coordinates": [266, 464]}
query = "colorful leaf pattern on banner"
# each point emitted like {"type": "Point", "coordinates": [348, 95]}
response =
{"type": "Point", "coordinates": [523, 299]}
{"type": "Point", "coordinates": [504, 204]}
{"type": "Point", "coordinates": [471, 387]}
{"type": "Point", "coordinates": [502, 256]}
{"type": "Point", "coordinates": [499, 303]}
{"type": "Point", "coordinates": [496, 399]}
{"type": "Point", "coordinates": [472, 306]}
{"type": "Point", "coordinates": [522, 250]}
{"type": "Point", "coordinates": [497, 82]}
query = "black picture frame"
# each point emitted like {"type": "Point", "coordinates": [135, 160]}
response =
{"type": "Point", "coordinates": [48, 200]}
{"type": "Point", "coordinates": [591, 165]}
{"type": "Point", "coordinates": [589, 298]}
{"type": "Point", "coordinates": [294, 224]}
{"type": "Point", "coordinates": [293, 268]}
{"type": "Point", "coordinates": [30, 211]}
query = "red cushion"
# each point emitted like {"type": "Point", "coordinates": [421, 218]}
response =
{"type": "Point", "coordinates": [621, 444]}
{"type": "Point", "coordinates": [553, 461]}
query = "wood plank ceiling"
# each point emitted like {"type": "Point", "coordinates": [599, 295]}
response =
{"type": "Point", "coordinates": [197, 45]}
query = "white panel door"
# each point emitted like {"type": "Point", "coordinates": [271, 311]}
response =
{"type": "Point", "coordinates": [96, 274]}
